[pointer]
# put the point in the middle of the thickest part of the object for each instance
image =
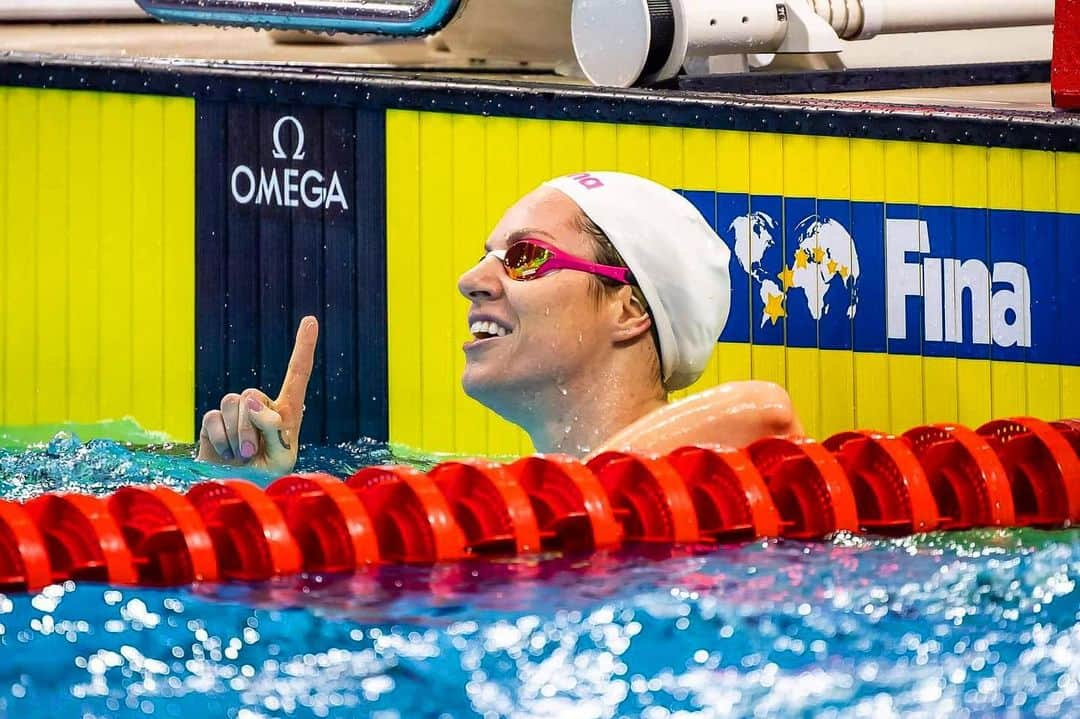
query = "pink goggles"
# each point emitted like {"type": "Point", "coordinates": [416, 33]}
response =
{"type": "Point", "coordinates": [530, 259]}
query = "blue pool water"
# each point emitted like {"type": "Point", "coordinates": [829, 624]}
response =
{"type": "Point", "coordinates": [978, 624]}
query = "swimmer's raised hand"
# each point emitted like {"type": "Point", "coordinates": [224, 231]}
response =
{"type": "Point", "coordinates": [253, 430]}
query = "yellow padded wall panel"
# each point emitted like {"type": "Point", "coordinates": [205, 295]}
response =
{"type": "Point", "coordinates": [872, 406]}
{"type": "Point", "coordinates": [404, 315]}
{"type": "Point", "coordinates": [1008, 389]}
{"type": "Point", "coordinates": [115, 376]}
{"type": "Point", "coordinates": [98, 295]}
{"type": "Point", "coordinates": [469, 229]}
{"type": "Point", "coordinates": [52, 209]}
{"type": "Point", "coordinates": [973, 379]}
{"type": "Point", "coordinates": [85, 260]}
{"type": "Point", "coordinates": [21, 218]}
{"type": "Point", "coordinates": [939, 373]}
{"type": "Point", "coordinates": [837, 395]}
{"type": "Point", "coordinates": [178, 274]}
{"type": "Point", "coordinates": [1067, 185]}
{"type": "Point", "coordinates": [4, 269]}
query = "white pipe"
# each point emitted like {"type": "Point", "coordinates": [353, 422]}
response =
{"type": "Point", "coordinates": [730, 26]}
{"type": "Point", "coordinates": [886, 17]}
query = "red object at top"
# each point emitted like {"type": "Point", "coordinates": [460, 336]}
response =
{"type": "Point", "coordinates": [24, 563]}
{"type": "Point", "coordinates": [967, 478]}
{"type": "Point", "coordinates": [82, 538]}
{"type": "Point", "coordinates": [892, 493]}
{"type": "Point", "coordinates": [808, 485]}
{"type": "Point", "coordinates": [250, 536]}
{"type": "Point", "coordinates": [1044, 471]}
{"type": "Point", "coordinates": [491, 508]}
{"type": "Point", "coordinates": [328, 521]}
{"type": "Point", "coordinates": [1065, 65]}
{"type": "Point", "coordinates": [571, 507]}
{"type": "Point", "coordinates": [729, 494]}
{"type": "Point", "coordinates": [648, 496]}
{"type": "Point", "coordinates": [413, 519]}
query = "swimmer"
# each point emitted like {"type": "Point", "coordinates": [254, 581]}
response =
{"type": "Point", "coordinates": [596, 296]}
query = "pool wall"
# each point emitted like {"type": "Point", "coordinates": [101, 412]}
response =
{"type": "Point", "coordinates": [224, 204]}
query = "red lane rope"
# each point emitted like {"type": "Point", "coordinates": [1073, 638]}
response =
{"type": "Point", "coordinates": [966, 476]}
{"type": "Point", "coordinates": [808, 485]}
{"type": "Point", "coordinates": [649, 498]}
{"type": "Point", "coordinates": [249, 533]}
{"type": "Point", "coordinates": [331, 526]}
{"type": "Point", "coordinates": [168, 540]}
{"type": "Point", "coordinates": [24, 562]}
{"type": "Point", "coordinates": [892, 493]}
{"type": "Point", "coordinates": [572, 509]}
{"type": "Point", "coordinates": [1043, 469]}
{"type": "Point", "coordinates": [1018, 471]}
{"type": "Point", "coordinates": [729, 494]}
{"type": "Point", "coordinates": [413, 520]}
{"type": "Point", "coordinates": [490, 506]}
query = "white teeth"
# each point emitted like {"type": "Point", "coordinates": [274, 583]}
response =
{"type": "Point", "coordinates": [489, 328]}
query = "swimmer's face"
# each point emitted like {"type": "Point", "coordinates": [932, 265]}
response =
{"type": "Point", "coordinates": [547, 332]}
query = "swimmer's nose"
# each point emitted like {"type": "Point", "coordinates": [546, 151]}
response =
{"type": "Point", "coordinates": [482, 281]}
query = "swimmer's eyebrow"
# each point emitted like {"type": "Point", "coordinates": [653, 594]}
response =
{"type": "Point", "coordinates": [521, 234]}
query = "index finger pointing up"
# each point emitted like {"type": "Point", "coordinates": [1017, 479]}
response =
{"type": "Point", "coordinates": [294, 387]}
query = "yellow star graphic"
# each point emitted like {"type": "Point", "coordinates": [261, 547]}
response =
{"type": "Point", "coordinates": [800, 259]}
{"type": "Point", "coordinates": [843, 271]}
{"type": "Point", "coordinates": [774, 308]}
{"type": "Point", "coordinates": [832, 267]}
{"type": "Point", "coordinates": [819, 254]}
{"type": "Point", "coordinates": [787, 277]}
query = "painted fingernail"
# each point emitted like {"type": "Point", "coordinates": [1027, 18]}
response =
{"type": "Point", "coordinates": [254, 404]}
{"type": "Point", "coordinates": [247, 450]}
{"type": "Point", "coordinates": [227, 455]}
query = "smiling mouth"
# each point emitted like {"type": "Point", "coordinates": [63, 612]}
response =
{"type": "Point", "coordinates": [483, 330]}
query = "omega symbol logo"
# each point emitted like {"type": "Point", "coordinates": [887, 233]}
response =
{"type": "Point", "coordinates": [279, 153]}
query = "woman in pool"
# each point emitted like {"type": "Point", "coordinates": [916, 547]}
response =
{"type": "Point", "coordinates": [598, 294]}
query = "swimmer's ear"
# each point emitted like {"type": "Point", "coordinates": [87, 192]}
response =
{"type": "Point", "coordinates": [632, 319]}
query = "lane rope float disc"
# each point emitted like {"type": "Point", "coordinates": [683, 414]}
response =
{"type": "Point", "coordinates": [331, 526]}
{"type": "Point", "coordinates": [968, 480]}
{"type": "Point", "coordinates": [808, 485]}
{"type": "Point", "coordinates": [490, 507]}
{"type": "Point", "coordinates": [250, 536]}
{"type": "Point", "coordinates": [729, 494]}
{"type": "Point", "coordinates": [413, 520]}
{"type": "Point", "coordinates": [24, 562]}
{"type": "Point", "coordinates": [892, 493]}
{"type": "Point", "coordinates": [1044, 472]}
{"type": "Point", "coordinates": [169, 542]}
{"type": "Point", "coordinates": [648, 497]}
{"type": "Point", "coordinates": [82, 539]}
{"type": "Point", "coordinates": [572, 510]}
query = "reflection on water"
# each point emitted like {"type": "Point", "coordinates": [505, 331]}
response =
{"type": "Point", "coordinates": [973, 624]}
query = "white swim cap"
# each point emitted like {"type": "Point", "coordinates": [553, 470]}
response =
{"type": "Point", "coordinates": [678, 260]}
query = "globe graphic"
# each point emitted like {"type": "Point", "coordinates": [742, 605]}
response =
{"type": "Point", "coordinates": [822, 264]}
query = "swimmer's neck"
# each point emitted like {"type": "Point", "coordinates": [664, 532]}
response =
{"type": "Point", "coordinates": [584, 421]}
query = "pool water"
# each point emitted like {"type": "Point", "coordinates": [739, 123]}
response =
{"type": "Point", "coordinates": [982, 623]}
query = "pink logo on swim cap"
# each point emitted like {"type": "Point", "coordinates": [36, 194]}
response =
{"type": "Point", "coordinates": [587, 181]}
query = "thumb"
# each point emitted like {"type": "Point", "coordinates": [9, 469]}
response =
{"type": "Point", "coordinates": [280, 449]}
